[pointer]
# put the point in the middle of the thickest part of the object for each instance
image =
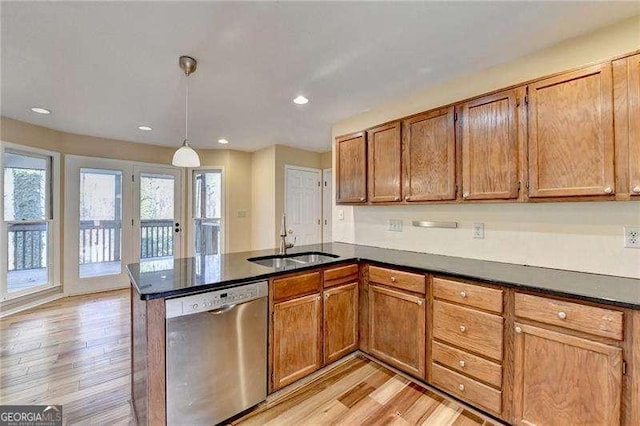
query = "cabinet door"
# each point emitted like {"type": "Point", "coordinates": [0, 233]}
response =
{"type": "Point", "coordinates": [340, 321]}
{"type": "Point", "coordinates": [296, 339]}
{"type": "Point", "coordinates": [633, 77]}
{"type": "Point", "coordinates": [562, 379]}
{"type": "Point", "coordinates": [490, 147]}
{"type": "Point", "coordinates": [397, 329]}
{"type": "Point", "coordinates": [351, 168]}
{"type": "Point", "coordinates": [385, 158]}
{"type": "Point", "coordinates": [429, 156]}
{"type": "Point", "coordinates": [571, 134]}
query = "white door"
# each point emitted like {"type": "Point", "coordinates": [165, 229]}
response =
{"type": "Point", "coordinates": [327, 205]}
{"type": "Point", "coordinates": [303, 194]}
{"type": "Point", "coordinates": [97, 224]}
{"type": "Point", "coordinates": [157, 223]}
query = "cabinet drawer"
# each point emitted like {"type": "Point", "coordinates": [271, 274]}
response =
{"type": "Point", "coordinates": [340, 275]}
{"type": "Point", "coordinates": [467, 389]}
{"type": "Point", "coordinates": [297, 285]}
{"type": "Point", "coordinates": [467, 328]}
{"type": "Point", "coordinates": [575, 316]}
{"type": "Point", "coordinates": [467, 363]}
{"type": "Point", "coordinates": [489, 299]}
{"type": "Point", "coordinates": [398, 279]}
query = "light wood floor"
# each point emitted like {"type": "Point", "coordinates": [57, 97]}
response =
{"type": "Point", "coordinates": [362, 392]}
{"type": "Point", "coordinates": [75, 352]}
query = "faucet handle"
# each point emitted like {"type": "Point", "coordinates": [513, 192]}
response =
{"type": "Point", "coordinates": [291, 245]}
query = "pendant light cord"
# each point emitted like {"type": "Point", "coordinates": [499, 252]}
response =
{"type": "Point", "coordinates": [186, 112]}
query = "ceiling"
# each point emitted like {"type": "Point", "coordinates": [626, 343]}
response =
{"type": "Point", "coordinates": [105, 68]}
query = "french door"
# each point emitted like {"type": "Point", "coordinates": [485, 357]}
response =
{"type": "Point", "coordinates": [116, 213]}
{"type": "Point", "coordinates": [157, 223]}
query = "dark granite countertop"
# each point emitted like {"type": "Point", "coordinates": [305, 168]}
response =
{"type": "Point", "coordinates": [169, 278]}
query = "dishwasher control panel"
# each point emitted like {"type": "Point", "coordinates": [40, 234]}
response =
{"type": "Point", "coordinates": [215, 300]}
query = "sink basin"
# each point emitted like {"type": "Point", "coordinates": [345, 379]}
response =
{"type": "Point", "coordinates": [291, 261]}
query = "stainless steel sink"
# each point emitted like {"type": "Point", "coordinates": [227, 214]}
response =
{"type": "Point", "coordinates": [291, 261]}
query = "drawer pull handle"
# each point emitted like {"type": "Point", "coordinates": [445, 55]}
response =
{"type": "Point", "coordinates": [461, 363]}
{"type": "Point", "coordinates": [393, 279]}
{"type": "Point", "coordinates": [463, 328]}
{"type": "Point", "coordinates": [562, 315]}
{"type": "Point", "coordinates": [463, 294]}
{"type": "Point", "coordinates": [518, 330]}
{"type": "Point", "coordinates": [461, 387]}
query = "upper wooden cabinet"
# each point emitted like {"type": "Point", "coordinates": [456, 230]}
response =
{"type": "Point", "coordinates": [571, 134]}
{"type": "Point", "coordinates": [626, 81]}
{"type": "Point", "coordinates": [351, 168]}
{"type": "Point", "coordinates": [384, 167]}
{"type": "Point", "coordinates": [490, 147]}
{"type": "Point", "coordinates": [429, 156]}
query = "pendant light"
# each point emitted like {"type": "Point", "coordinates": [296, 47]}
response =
{"type": "Point", "coordinates": [185, 156]}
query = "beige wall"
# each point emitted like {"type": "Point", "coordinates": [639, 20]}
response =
{"type": "Point", "coordinates": [326, 159]}
{"type": "Point", "coordinates": [578, 236]}
{"type": "Point", "coordinates": [263, 198]}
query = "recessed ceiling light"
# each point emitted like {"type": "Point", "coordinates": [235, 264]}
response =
{"type": "Point", "coordinates": [300, 100]}
{"type": "Point", "coordinates": [223, 141]}
{"type": "Point", "coordinates": [41, 110]}
{"type": "Point", "coordinates": [146, 128]}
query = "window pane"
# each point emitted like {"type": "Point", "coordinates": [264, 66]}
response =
{"type": "Point", "coordinates": [156, 215]}
{"type": "Point", "coordinates": [28, 257]}
{"type": "Point", "coordinates": [25, 187]}
{"type": "Point", "coordinates": [207, 236]}
{"type": "Point", "coordinates": [100, 222]}
{"type": "Point", "coordinates": [207, 191]}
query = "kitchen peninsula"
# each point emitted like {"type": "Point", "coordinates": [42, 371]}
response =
{"type": "Point", "coordinates": [497, 336]}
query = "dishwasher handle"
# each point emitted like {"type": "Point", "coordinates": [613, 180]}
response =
{"type": "Point", "coordinates": [224, 309]}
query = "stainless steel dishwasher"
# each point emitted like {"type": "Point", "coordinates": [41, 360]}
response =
{"type": "Point", "coordinates": [216, 354]}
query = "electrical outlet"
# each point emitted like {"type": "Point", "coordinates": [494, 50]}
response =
{"type": "Point", "coordinates": [340, 214]}
{"type": "Point", "coordinates": [394, 225]}
{"type": "Point", "coordinates": [478, 231]}
{"type": "Point", "coordinates": [632, 236]}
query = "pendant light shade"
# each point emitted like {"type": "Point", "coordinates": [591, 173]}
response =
{"type": "Point", "coordinates": [185, 156]}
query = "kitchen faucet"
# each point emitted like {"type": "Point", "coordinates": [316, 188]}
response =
{"type": "Point", "coordinates": [284, 245]}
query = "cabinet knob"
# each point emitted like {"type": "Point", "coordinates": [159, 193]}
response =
{"type": "Point", "coordinates": [608, 190]}
{"type": "Point", "coordinates": [518, 330]}
{"type": "Point", "coordinates": [326, 295]}
{"type": "Point", "coordinates": [419, 302]}
{"type": "Point", "coordinates": [461, 387]}
{"type": "Point", "coordinates": [465, 195]}
{"type": "Point", "coordinates": [463, 328]}
{"type": "Point", "coordinates": [396, 198]}
{"type": "Point", "coordinates": [636, 189]}
{"type": "Point", "coordinates": [461, 363]}
{"type": "Point", "coordinates": [562, 315]}
{"type": "Point", "coordinates": [408, 198]}
{"type": "Point", "coordinates": [463, 294]}
{"type": "Point", "coordinates": [393, 279]}
{"type": "Point", "coordinates": [361, 198]}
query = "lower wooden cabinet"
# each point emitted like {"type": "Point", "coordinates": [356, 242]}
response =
{"type": "Point", "coordinates": [297, 337]}
{"type": "Point", "coordinates": [562, 379]}
{"type": "Point", "coordinates": [397, 329]}
{"type": "Point", "coordinates": [340, 321]}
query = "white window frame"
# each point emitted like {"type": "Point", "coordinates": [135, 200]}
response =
{"type": "Point", "coordinates": [53, 256]}
{"type": "Point", "coordinates": [191, 201]}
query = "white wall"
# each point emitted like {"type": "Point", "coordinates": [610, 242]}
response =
{"type": "Point", "coordinates": [577, 236]}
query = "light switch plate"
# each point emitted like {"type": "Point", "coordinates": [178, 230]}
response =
{"type": "Point", "coordinates": [632, 236]}
{"type": "Point", "coordinates": [478, 231]}
{"type": "Point", "coordinates": [394, 225]}
{"type": "Point", "coordinates": [242, 213]}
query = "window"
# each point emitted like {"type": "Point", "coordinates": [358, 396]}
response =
{"type": "Point", "coordinates": [27, 216]}
{"type": "Point", "coordinates": [207, 211]}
